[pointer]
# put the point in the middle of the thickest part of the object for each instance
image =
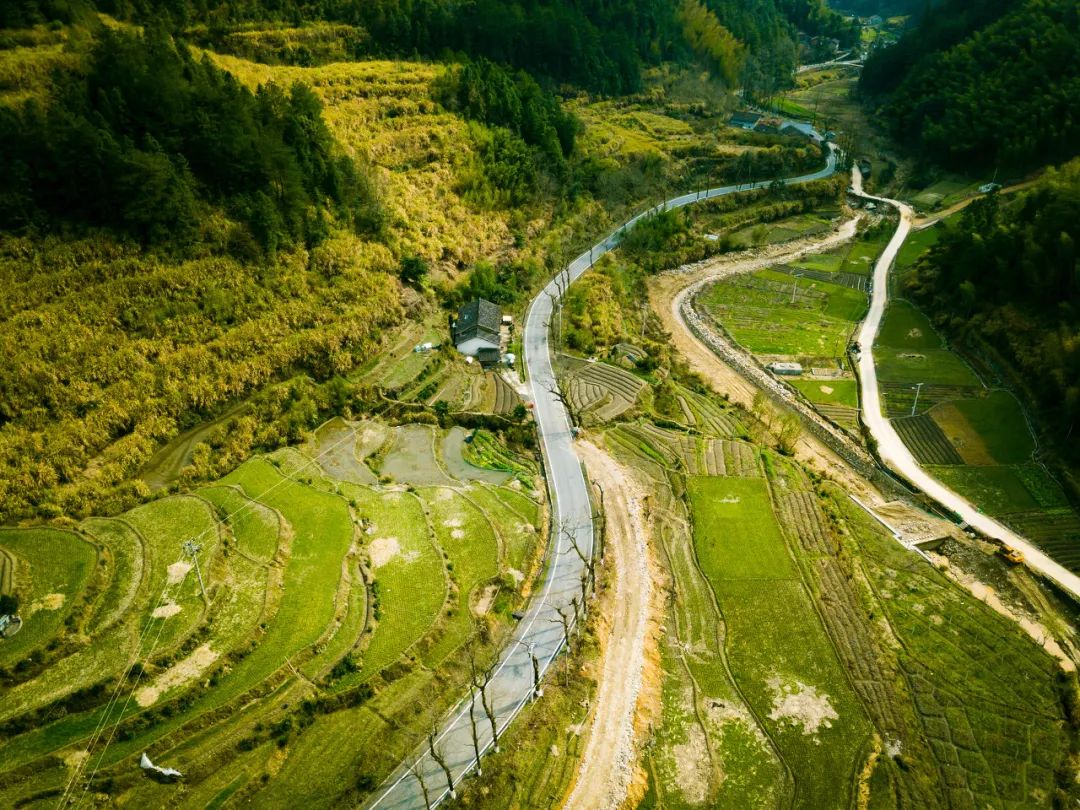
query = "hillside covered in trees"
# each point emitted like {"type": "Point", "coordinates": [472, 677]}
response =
{"type": "Point", "coordinates": [597, 45]}
{"type": "Point", "coordinates": [183, 231]}
{"type": "Point", "coordinates": [983, 85]}
{"type": "Point", "coordinates": [145, 137]}
{"type": "Point", "coordinates": [1005, 280]}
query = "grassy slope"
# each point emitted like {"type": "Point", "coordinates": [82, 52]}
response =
{"type": "Point", "coordinates": [53, 568]}
{"type": "Point", "coordinates": [987, 428]}
{"type": "Point", "coordinates": [776, 641]}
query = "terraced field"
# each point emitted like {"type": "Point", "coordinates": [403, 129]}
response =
{"type": "Point", "coordinates": [899, 396]}
{"type": "Point", "coordinates": [599, 392]}
{"type": "Point", "coordinates": [977, 441]}
{"type": "Point", "coordinates": [781, 656]}
{"type": "Point", "coordinates": [484, 450]}
{"type": "Point", "coordinates": [688, 453]}
{"type": "Point", "coordinates": [982, 695]}
{"type": "Point", "coordinates": [705, 416]}
{"type": "Point", "coordinates": [327, 608]}
{"type": "Point", "coordinates": [783, 684]}
{"type": "Point", "coordinates": [926, 440]}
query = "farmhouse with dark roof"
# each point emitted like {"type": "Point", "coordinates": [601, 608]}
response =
{"type": "Point", "coordinates": [477, 327]}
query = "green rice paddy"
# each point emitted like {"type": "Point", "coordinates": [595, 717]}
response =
{"type": "Point", "coordinates": [315, 587]}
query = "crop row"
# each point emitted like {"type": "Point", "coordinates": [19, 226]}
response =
{"type": "Point", "coordinates": [610, 378]}
{"type": "Point", "coordinates": [741, 460]}
{"type": "Point", "coordinates": [681, 446]}
{"type": "Point", "coordinates": [855, 281]}
{"type": "Point", "coordinates": [583, 395]}
{"type": "Point", "coordinates": [926, 440]}
{"type": "Point", "coordinates": [900, 396]}
{"type": "Point", "coordinates": [486, 451]}
{"type": "Point", "coordinates": [801, 518]}
{"type": "Point", "coordinates": [506, 398]}
{"type": "Point", "coordinates": [1056, 531]}
{"type": "Point", "coordinates": [693, 455]}
{"type": "Point", "coordinates": [840, 414]}
{"type": "Point", "coordinates": [706, 416]}
{"type": "Point", "coordinates": [715, 460]}
{"type": "Point", "coordinates": [985, 713]}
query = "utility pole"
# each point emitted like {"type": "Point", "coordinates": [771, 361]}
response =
{"type": "Point", "coordinates": [193, 548]}
{"type": "Point", "coordinates": [795, 286]}
{"type": "Point", "coordinates": [538, 692]}
{"type": "Point", "coordinates": [915, 404]}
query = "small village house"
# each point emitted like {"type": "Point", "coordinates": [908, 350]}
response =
{"type": "Point", "coordinates": [478, 326]}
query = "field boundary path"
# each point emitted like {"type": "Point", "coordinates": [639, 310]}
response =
{"type": "Point", "coordinates": [891, 449]}
{"type": "Point", "coordinates": [511, 687]}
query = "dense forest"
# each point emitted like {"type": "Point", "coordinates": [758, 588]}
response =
{"type": "Point", "coordinates": [143, 139]}
{"type": "Point", "coordinates": [885, 8]}
{"type": "Point", "coordinates": [986, 85]}
{"type": "Point", "coordinates": [1006, 278]}
{"type": "Point", "coordinates": [179, 234]}
{"type": "Point", "coordinates": [599, 45]}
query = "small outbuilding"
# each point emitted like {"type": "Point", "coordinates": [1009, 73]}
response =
{"type": "Point", "coordinates": [786, 369]}
{"type": "Point", "coordinates": [478, 326]}
{"type": "Point", "coordinates": [801, 129]}
{"type": "Point", "coordinates": [744, 119]}
{"type": "Point", "coordinates": [488, 357]}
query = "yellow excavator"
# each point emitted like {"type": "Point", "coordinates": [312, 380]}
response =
{"type": "Point", "coordinates": [1010, 554]}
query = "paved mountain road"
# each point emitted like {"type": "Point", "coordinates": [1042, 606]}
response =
{"type": "Point", "coordinates": [571, 511]}
{"type": "Point", "coordinates": [892, 449]}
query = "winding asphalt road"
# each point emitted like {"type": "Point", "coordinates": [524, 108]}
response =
{"type": "Point", "coordinates": [511, 687]}
{"type": "Point", "coordinates": [892, 449]}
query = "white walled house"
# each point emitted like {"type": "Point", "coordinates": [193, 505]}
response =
{"type": "Point", "coordinates": [478, 326]}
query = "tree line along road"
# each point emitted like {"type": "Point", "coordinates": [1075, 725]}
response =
{"type": "Point", "coordinates": [540, 632]}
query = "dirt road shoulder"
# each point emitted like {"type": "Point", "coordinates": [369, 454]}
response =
{"type": "Point", "coordinates": [628, 693]}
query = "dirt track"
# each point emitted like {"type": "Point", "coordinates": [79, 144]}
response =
{"type": "Point", "coordinates": [668, 291]}
{"type": "Point", "coordinates": [628, 693]}
{"type": "Point", "coordinates": [924, 220]}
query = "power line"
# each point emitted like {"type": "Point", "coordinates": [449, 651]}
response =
{"type": "Point", "coordinates": [191, 542]}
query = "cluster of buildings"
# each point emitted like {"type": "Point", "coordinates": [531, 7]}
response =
{"type": "Point", "coordinates": [769, 125]}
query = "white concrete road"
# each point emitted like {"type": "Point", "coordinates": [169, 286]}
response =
{"type": "Point", "coordinates": [571, 509]}
{"type": "Point", "coordinates": [892, 449]}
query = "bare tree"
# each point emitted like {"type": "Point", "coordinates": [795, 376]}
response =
{"type": "Point", "coordinates": [564, 620]}
{"type": "Point", "coordinates": [555, 322]}
{"type": "Point", "coordinates": [481, 677]}
{"type": "Point", "coordinates": [418, 772]}
{"type": "Point", "coordinates": [602, 515]}
{"type": "Point", "coordinates": [553, 389]}
{"type": "Point", "coordinates": [587, 560]}
{"type": "Point", "coordinates": [440, 759]}
{"type": "Point", "coordinates": [475, 734]}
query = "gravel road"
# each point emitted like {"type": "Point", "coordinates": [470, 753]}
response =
{"type": "Point", "coordinates": [613, 741]}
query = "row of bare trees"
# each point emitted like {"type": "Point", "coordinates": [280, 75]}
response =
{"type": "Point", "coordinates": [482, 674]}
